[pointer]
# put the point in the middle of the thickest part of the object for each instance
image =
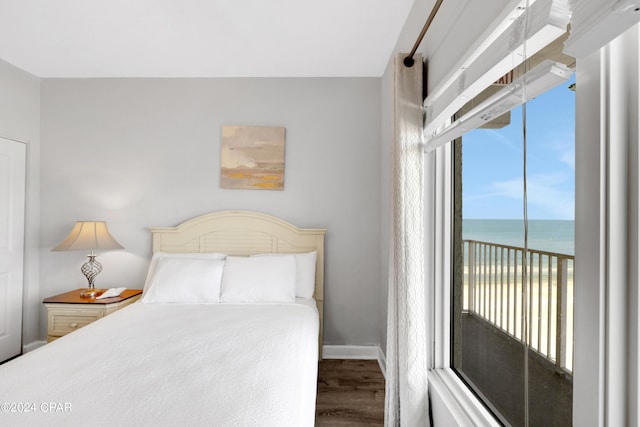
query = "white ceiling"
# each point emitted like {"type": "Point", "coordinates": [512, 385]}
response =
{"type": "Point", "coordinates": [200, 38]}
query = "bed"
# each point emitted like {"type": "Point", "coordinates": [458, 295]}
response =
{"type": "Point", "coordinates": [174, 359]}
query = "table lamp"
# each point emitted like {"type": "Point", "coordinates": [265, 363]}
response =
{"type": "Point", "coordinates": [89, 235]}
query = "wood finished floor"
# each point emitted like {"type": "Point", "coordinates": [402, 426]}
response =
{"type": "Point", "coordinates": [350, 393]}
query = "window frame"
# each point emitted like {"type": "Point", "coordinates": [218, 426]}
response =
{"type": "Point", "coordinates": [450, 396]}
{"type": "Point", "coordinates": [607, 315]}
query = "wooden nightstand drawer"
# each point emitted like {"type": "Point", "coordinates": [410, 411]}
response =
{"type": "Point", "coordinates": [62, 322]}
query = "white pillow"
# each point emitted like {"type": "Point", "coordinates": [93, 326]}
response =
{"type": "Point", "coordinates": [305, 272]}
{"type": "Point", "coordinates": [194, 255]}
{"type": "Point", "coordinates": [259, 279]}
{"type": "Point", "coordinates": [185, 280]}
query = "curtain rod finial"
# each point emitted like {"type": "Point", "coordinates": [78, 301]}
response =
{"type": "Point", "coordinates": [408, 62]}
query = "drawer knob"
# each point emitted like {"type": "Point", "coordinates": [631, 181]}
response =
{"type": "Point", "coordinates": [74, 325]}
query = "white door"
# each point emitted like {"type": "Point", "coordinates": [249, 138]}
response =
{"type": "Point", "coordinates": [12, 198]}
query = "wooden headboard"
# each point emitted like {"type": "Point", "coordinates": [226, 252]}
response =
{"type": "Point", "coordinates": [244, 233]}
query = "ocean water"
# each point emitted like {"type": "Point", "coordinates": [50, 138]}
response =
{"type": "Point", "coordinates": [544, 234]}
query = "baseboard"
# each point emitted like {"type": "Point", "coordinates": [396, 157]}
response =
{"type": "Point", "coordinates": [365, 352]}
{"type": "Point", "coordinates": [26, 348]}
{"type": "Point", "coordinates": [382, 361]}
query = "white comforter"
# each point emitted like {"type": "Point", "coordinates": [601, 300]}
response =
{"type": "Point", "coordinates": [172, 365]}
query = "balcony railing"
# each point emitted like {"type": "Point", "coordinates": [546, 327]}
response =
{"type": "Point", "coordinates": [495, 290]}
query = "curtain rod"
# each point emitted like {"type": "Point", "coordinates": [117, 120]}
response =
{"type": "Point", "coordinates": [408, 61]}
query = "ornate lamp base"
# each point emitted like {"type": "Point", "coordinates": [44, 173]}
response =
{"type": "Point", "coordinates": [91, 292]}
{"type": "Point", "coordinates": [91, 269]}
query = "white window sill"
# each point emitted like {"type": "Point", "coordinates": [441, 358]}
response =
{"type": "Point", "coordinates": [452, 403]}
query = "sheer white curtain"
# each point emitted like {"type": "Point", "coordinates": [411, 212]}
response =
{"type": "Point", "coordinates": [406, 400]}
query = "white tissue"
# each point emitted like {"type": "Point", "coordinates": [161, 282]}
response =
{"type": "Point", "coordinates": [111, 292]}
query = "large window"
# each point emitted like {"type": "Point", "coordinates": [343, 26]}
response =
{"type": "Point", "coordinates": [602, 361]}
{"type": "Point", "coordinates": [512, 293]}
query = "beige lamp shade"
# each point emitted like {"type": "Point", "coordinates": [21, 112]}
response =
{"type": "Point", "coordinates": [88, 235]}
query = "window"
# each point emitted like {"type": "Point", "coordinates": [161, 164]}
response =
{"type": "Point", "coordinates": [605, 388]}
{"type": "Point", "coordinates": [496, 297]}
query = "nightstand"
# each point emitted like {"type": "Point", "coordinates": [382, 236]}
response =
{"type": "Point", "coordinates": [68, 312]}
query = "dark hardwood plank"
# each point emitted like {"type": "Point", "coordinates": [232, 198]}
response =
{"type": "Point", "coordinates": [350, 393]}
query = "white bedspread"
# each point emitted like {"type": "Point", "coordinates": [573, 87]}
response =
{"type": "Point", "coordinates": [172, 365]}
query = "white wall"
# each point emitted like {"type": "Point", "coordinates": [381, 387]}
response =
{"type": "Point", "coordinates": [145, 152]}
{"type": "Point", "coordinates": [20, 119]}
{"type": "Point", "coordinates": [386, 184]}
{"type": "Point", "coordinates": [607, 317]}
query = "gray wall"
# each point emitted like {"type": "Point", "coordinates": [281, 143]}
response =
{"type": "Point", "coordinates": [145, 152]}
{"type": "Point", "coordinates": [20, 119]}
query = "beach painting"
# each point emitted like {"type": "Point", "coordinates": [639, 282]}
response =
{"type": "Point", "coordinates": [252, 157]}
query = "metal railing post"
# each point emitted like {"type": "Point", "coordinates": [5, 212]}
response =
{"type": "Point", "coordinates": [561, 312]}
{"type": "Point", "coordinates": [471, 273]}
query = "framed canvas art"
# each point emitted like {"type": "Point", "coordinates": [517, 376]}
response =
{"type": "Point", "coordinates": [252, 157]}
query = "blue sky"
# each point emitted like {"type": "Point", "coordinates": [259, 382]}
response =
{"type": "Point", "coordinates": [492, 162]}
